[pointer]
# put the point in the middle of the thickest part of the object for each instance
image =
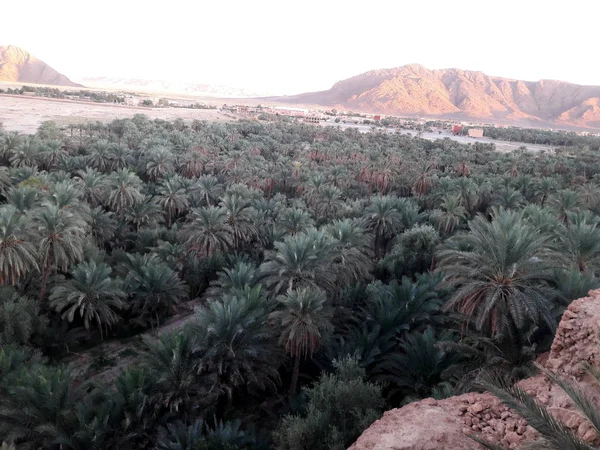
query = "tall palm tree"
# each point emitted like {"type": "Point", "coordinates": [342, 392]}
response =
{"type": "Point", "coordinates": [61, 240]}
{"type": "Point", "coordinates": [17, 252]}
{"type": "Point", "coordinates": [501, 273]}
{"type": "Point", "coordinates": [91, 293]}
{"type": "Point", "coordinates": [304, 320]}
{"type": "Point", "coordinates": [299, 261]}
{"type": "Point", "coordinates": [208, 232]}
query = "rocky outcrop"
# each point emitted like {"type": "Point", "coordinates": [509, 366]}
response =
{"type": "Point", "coordinates": [16, 65]}
{"type": "Point", "coordinates": [430, 424]}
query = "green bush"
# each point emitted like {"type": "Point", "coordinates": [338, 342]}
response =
{"type": "Point", "coordinates": [339, 407]}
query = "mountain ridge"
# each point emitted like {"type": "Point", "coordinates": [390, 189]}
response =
{"type": "Point", "coordinates": [18, 65]}
{"type": "Point", "coordinates": [415, 90]}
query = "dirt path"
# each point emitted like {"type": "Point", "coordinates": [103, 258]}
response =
{"type": "Point", "coordinates": [106, 360]}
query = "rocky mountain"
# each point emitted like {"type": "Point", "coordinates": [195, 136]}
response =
{"type": "Point", "coordinates": [416, 90]}
{"type": "Point", "coordinates": [444, 424]}
{"type": "Point", "coordinates": [16, 65]}
{"type": "Point", "coordinates": [174, 87]}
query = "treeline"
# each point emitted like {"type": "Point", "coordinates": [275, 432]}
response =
{"type": "Point", "coordinates": [245, 285]}
{"type": "Point", "coordinates": [545, 137]}
{"type": "Point", "coordinates": [99, 96]}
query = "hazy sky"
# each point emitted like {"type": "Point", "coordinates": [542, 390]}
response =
{"type": "Point", "coordinates": [290, 47]}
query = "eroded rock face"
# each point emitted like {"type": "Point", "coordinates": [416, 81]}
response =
{"type": "Point", "coordinates": [430, 424]}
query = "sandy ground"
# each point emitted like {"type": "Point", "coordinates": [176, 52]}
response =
{"type": "Point", "coordinates": [24, 114]}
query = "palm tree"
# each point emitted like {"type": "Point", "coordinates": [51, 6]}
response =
{"type": "Point", "coordinates": [124, 191]}
{"type": "Point", "coordinates": [545, 187]}
{"type": "Point", "coordinates": [352, 255]}
{"type": "Point", "coordinates": [147, 213]}
{"type": "Point", "coordinates": [580, 243]}
{"type": "Point", "coordinates": [103, 225]}
{"type": "Point", "coordinates": [23, 198]}
{"type": "Point", "coordinates": [417, 369]}
{"type": "Point", "coordinates": [174, 368]}
{"type": "Point", "coordinates": [94, 185]}
{"type": "Point", "coordinates": [100, 157]}
{"type": "Point", "coordinates": [208, 231]}
{"type": "Point", "coordinates": [38, 406]}
{"type": "Point", "coordinates": [563, 202]}
{"type": "Point", "coordinates": [234, 343]}
{"type": "Point", "coordinates": [173, 199]}
{"type": "Point", "coordinates": [17, 253]}
{"type": "Point", "coordinates": [160, 161]}
{"type": "Point", "coordinates": [501, 273]}
{"type": "Point", "coordinates": [329, 202]}
{"type": "Point", "coordinates": [153, 288]}
{"type": "Point", "coordinates": [508, 198]}
{"type": "Point", "coordinates": [295, 220]}
{"type": "Point", "coordinates": [209, 189]}
{"type": "Point", "coordinates": [241, 218]}
{"type": "Point", "coordinates": [61, 240]}
{"type": "Point", "coordinates": [299, 261]}
{"type": "Point", "coordinates": [26, 154]}
{"type": "Point", "coordinates": [387, 216]}
{"type": "Point", "coordinates": [91, 293]}
{"type": "Point", "coordinates": [304, 320]}
{"type": "Point", "coordinates": [450, 215]}
{"type": "Point", "coordinates": [234, 280]}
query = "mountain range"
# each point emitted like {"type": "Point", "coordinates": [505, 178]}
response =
{"type": "Point", "coordinates": [461, 94]}
{"type": "Point", "coordinates": [17, 65]}
{"type": "Point", "coordinates": [410, 90]}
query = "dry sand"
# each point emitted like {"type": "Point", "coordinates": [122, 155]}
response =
{"type": "Point", "coordinates": [24, 114]}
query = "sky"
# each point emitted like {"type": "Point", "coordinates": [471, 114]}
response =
{"type": "Point", "coordinates": [285, 47]}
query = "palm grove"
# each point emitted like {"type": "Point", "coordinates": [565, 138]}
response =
{"type": "Point", "coordinates": [246, 285]}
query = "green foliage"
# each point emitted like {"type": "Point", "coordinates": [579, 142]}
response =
{"type": "Point", "coordinates": [338, 407]}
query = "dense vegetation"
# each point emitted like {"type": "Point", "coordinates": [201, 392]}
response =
{"type": "Point", "coordinates": [333, 274]}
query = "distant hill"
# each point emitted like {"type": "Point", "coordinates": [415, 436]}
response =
{"type": "Point", "coordinates": [16, 65]}
{"type": "Point", "coordinates": [416, 90]}
{"type": "Point", "coordinates": [161, 86]}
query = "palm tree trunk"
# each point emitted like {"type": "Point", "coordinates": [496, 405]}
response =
{"type": "Point", "coordinates": [295, 373]}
